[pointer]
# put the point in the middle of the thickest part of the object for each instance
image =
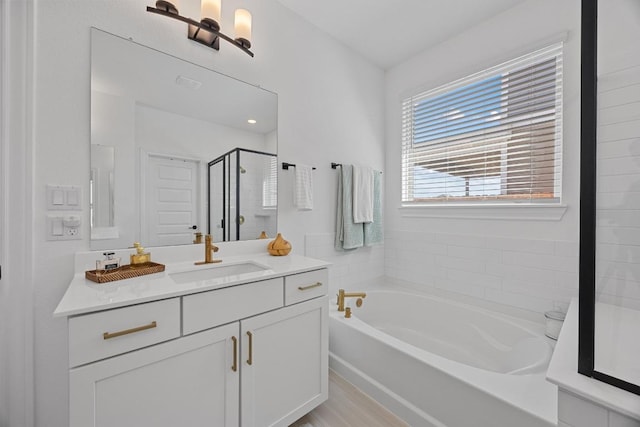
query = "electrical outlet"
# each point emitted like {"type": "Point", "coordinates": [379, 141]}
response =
{"type": "Point", "coordinates": [64, 227]}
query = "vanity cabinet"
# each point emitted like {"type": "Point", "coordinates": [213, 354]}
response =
{"type": "Point", "coordinates": [236, 356]}
{"type": "Point", "coordinates": [284, 364]}
{"type": "Point", "coordinates": [185, 382]}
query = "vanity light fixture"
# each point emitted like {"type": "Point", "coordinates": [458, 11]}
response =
{"type": "Point", "coordinates": [207, 30]}
{"type": "Point", "coordinates": [252, 121]}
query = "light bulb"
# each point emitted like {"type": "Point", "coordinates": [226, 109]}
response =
{"type": "Point", "coordinates": [211, 9]}
{"type": "Point", "coordinates": [243, 27]}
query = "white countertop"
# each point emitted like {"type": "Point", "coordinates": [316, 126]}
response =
{"type": "Point", "coordinates": [563, 371]}
{"type": "Point", "coordinates": [84, 296]}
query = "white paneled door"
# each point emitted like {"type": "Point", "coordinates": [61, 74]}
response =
{"type": "Point", "coordinates": [170, 213]}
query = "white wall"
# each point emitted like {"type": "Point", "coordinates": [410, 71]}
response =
{"type": "Point", "coordinates": [496, 255]}
{"type": "Point", "coordinates": [330, 109]}
{"type": "Point", "coordinates": [16, 298]}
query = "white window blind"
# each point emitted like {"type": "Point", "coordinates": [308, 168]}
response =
{"type": "Point", "coordinates": [494, 137]}
{"type": "Point", "coordinates": [270, 184]}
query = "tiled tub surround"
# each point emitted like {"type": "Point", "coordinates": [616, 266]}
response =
{"type": "Point", "coordinates": [424, 356]}
{"type": "Point", "coordinates": [349, 269]}
{"type": "Point", "coordinates": [535, 275]}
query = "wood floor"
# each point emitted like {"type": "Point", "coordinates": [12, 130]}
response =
{"type": "Point", "coordinates": [348, 407]}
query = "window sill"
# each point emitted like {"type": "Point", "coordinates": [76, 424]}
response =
{"type": "Point", "coordinates": [500, 212]}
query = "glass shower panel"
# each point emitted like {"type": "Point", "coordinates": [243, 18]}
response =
{"type": "Point", "coordinates": [617, 278]}
{"type": "Point", "coordinates": [233, 230]}
{"type": "Point", "coordinates": [257, 207]}
{"type": "Point", "coordinates": [216, 201]}
{"type": "Point", "coordinates": [243, 195]}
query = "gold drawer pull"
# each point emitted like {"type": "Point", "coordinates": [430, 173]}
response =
{"type": "Point", "coordinates": [305, 288]}
{"type": "Point", "coordinates": [234, 367]}
{"type": "Point", "coordinates": [109, 335]}
{"type": "Point", "coordinates": [250, 359]}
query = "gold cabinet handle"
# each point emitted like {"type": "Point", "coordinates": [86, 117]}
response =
{"type": "Point", "coordinates": [234, 367]}
{"type": "Point", "coordinates": [250, 359]}
{"type": "Point", "coordinates": [305, 288]}
{"type": "Point", "coordinates": [109, 335]}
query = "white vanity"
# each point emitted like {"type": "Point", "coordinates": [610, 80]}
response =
{"type": "Point", "coordinates": [239, 343]}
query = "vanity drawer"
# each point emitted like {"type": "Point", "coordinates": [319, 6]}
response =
{"type": "Point", "coordinates": [304, 286]}
{"type": "Point", "coordinates": [209, 309]}
{"type": "Point", "coordinates": [108, 333]}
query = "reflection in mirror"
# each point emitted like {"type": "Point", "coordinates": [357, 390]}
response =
{"type": "Point", "coordinates": [240, 182]}
{"type": "Point", "coordinates": [159, 121]}
{"type": "Point", "coordinates": [101, 188]}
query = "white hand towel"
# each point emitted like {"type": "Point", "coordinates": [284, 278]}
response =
{"type": "Point", "coordinates": [303, 188]}
{"type": "Point", "coordinates": [362, 194]}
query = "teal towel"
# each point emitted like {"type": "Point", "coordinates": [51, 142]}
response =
{"type": "Point", "coordinates": [373, 231]}
{"type": "Point", "coordinates": [348, 234]}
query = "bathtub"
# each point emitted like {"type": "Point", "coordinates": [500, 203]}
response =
{"type": "Point", "coordinates": [438, 362]}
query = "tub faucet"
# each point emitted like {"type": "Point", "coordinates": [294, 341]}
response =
{"type": "Point", "coordinates": [209, 249]}
{"type": "Point", "coordinates": [342, 295]}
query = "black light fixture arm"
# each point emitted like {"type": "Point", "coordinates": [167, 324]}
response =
{"type": "Point", "coordinates": [204, 32]}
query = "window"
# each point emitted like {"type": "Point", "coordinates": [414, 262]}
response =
{"type": "Point", "coordinates": [494, 137]}
{"type": "Point", "coordinates": [270, 184]}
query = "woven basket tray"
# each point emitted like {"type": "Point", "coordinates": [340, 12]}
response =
{"type": "Point", "coordinates": [124, 272]}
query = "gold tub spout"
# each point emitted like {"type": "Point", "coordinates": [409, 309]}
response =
{"type": "Point", "coordinates": [342, 295]}
{"type": "Point", "coordinates": [209, 249]}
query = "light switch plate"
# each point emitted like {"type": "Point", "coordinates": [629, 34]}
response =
{"type": "Point", "coordinates": [64, 227]}
{"type": "Point", "coordinates": [64, 198]}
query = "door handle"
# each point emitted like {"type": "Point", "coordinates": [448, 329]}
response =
{"type": "Point", "coordinates": [306, 288]}
{"type": "Point", "coordinates": [234, 367]}
{"type": "Point", "coordinates": [109, 335]}
{"type": "Point", "coordinates": [250, 359]}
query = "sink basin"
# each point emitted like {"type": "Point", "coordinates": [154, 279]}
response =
{"type": "Point", "coordinates": [216, 272]}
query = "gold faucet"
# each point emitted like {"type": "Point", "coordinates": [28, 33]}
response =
{"type": "Point", "coordinates": [209, 249]}
{"type": "Point", "coordinates": [342, 295]}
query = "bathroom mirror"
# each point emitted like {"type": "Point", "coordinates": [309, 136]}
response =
{"type": "Point", "coordinates": [157, 123]}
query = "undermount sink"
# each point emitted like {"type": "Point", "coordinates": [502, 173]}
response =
{"type": "Point", "coordinates": [220, 270]}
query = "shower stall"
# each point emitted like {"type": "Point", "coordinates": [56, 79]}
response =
{"type": "Point", "coordinates": [610, 194]}
{"type": "Point", "coordinates": [242, 195]}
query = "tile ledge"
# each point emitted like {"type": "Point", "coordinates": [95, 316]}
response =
{"type": "Point", "coordinates": [497, 212]}
{"type": "Point", "coordinates": [563, 372]}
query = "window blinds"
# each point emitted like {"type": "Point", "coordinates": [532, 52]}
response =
{"type": "Point", "coordinates": [270, 183]}
{"type": "Point", "coordinates": [493, 137]}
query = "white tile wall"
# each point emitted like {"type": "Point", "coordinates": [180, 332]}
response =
{"type": "Point", "coordinates": [618, 189]}
{"type": "Point", "coordinates": [536, 275]}
{"type": "Point", "coordinates": [356, 269]}
{"type": "Point", "coordinates": [574, 411]}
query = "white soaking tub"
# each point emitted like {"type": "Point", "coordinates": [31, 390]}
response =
{"type": "Point", "coordinates": [437, 362]}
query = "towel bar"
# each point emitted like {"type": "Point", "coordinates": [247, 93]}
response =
{"type": "Point", "coordinates": [335, 166]}
{"type": "Point", "coordinates": [286, 166]}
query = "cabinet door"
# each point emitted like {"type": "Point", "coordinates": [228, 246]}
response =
{"type": "Point", "coordinates": [185, 382]}
{"type": "Point", "coordinates": [284, 364]}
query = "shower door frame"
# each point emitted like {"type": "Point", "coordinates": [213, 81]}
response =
{"type": "Point", "coordinates": [588, 182]}
{"type": "Point", "coordinates": [226, 181]}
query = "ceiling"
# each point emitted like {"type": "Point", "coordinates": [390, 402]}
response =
{"type": "Point", "coordinates": [388, 32]}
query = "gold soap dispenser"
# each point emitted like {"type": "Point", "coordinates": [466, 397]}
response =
{"type": "Point", "coordinates": [140, 257]}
